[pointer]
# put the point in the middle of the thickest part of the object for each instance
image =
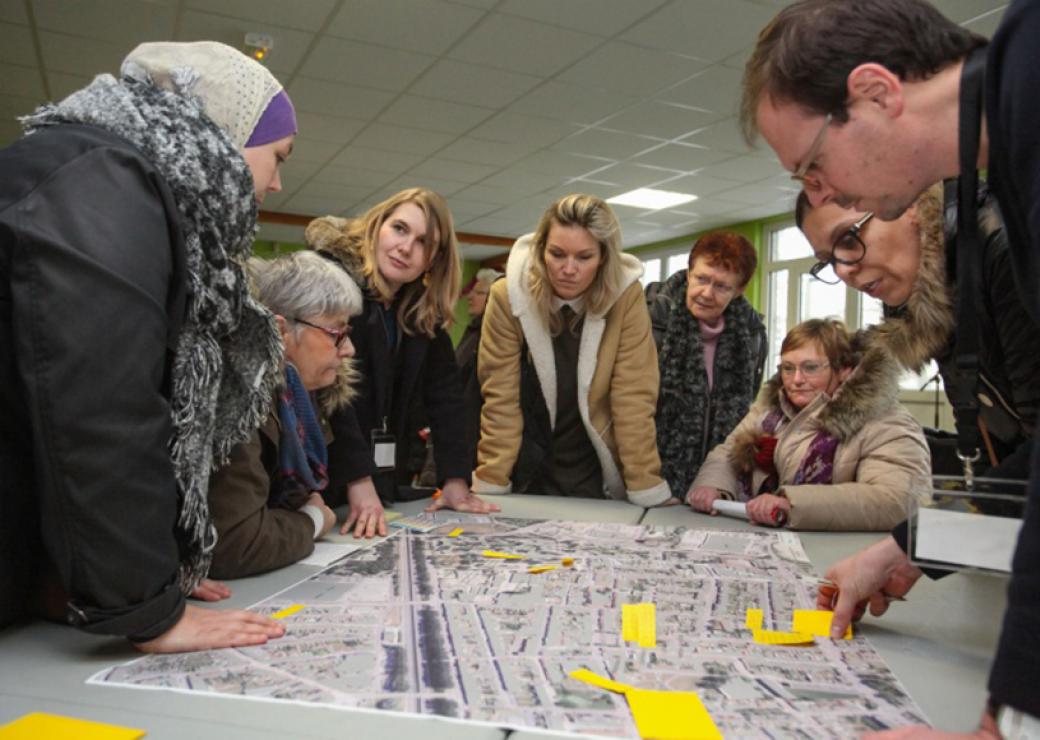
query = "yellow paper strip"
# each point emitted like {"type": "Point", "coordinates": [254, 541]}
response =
{"type": "Point", "coordinates": [671, 715]}
{"type": "Point", "coordinates": [771, 637]}
{"type": "Point", "coordinates": [541, 568]}
{"type": "Point", "coordinates": [455, 532]}
{"type": "Point", "coordinates": [44, 726]}
{"type": "Point", "coordinates": [753, 620]}
{"type": "Point", "coordinates": [287, 611]}
{"type": "Point", "coordinates": [629, 623]}
{"type": "Point", "coordinates": [647, 626]}
{"type": "Point", "coordinates": [816, 622]}
{"type": "Point", "coordinates": [501, 555]}
{"type": "Point", "coordinates": [389, 516]}
{"type": "Point", "coordinates": [587, 676]}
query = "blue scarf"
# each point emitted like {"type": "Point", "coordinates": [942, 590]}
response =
{"type": "Point", "coordinates": [302, 456]}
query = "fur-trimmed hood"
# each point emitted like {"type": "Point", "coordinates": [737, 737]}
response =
{"type": "Point", "coordinates": [867, 394]}
{"type": "Point", "coordinates": [328, 236]}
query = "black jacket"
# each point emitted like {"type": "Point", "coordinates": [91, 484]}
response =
{"type": "Point", "coordinates": [91, 300]}
{"type": "Point", "coordinates": [421, 365]}
{"type": "Point", "coordinates": [466, 357]}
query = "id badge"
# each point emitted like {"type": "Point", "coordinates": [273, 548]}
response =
{"type": "Point", "coordinates": [384, 449]}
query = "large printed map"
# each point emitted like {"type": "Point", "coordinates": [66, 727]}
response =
{"type": "Point", "coordinates": [424, 623]}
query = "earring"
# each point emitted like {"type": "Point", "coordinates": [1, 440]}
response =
{"type": "Point", "coordinates": [426, 279]}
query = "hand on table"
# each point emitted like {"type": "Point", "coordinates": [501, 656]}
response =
{"type": "Point", "coordinates": [769, 510]}
{"type": "Point", "coordinates": [366, 510]}
{"type": "Point", "coordinates": [873, 576]}
{"type": "Point", "coordinates": [987, 731]}
{"type": "Point", "coordinates": [205, 629]}
{"type": "Point", "coordinates": [455, 494]}
{"type": "Point", "coordinates": [210, 591]}
{"type": "Point", "coordinates": [702, 497]}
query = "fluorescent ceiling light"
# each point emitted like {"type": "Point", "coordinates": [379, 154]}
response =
{"type": "Point", "coordinates": [651, 199]}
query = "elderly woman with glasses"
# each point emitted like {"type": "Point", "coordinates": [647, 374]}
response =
{"type": "Point", "coordinates": [826, 446]}
{"type": "Point", "coordinates": [266, 502]}
{"type": "Point", "coordinates": [903, 263]}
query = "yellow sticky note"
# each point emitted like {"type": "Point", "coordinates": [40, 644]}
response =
{"type": "Point", "coordinates": [647, 626]}
{"type": "Point", "coordinates": [455, 532]}
{"type": "Point", "coordinates": [671, 715]}
{"type": "Point", "coordinates": [587, 676]}
{"type": "Point", "coordinates": [629, 623]}
{"type": "Point", "coordinates": [771, 637]}
{"type": "Point", "coordinates": [287, 611]}
{"type": "Point", "coordinates": [389, 516]}
{"type": "Point", "coordinates": [753, 620]}
{"type": "Point", "coordinates": [501, 555]}
{"type": "Point", "coordinates": [43, 726]}
{"type": "Point", "coordinates": [541, 568]}
{"type": "Point", "coordinates": [816, 622]}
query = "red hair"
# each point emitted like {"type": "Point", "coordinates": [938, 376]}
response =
{"type": "Point", "coordinates": [726, 250]}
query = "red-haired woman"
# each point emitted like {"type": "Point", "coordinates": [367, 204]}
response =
{"type": "Point", "coordinates": [711, 347]}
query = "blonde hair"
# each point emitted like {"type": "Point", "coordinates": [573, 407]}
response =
{"type": "Point", "coordinates": [429, 303]}
{"type": "Point", "coordinates": [830, 335]}
{"type": "Point", "coordinates": [596, 217]}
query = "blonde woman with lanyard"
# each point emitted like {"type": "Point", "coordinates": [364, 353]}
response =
{"type": "Point", "coordinates": [404, 255]}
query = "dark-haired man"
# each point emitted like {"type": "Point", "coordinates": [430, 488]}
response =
{"type": "Point", "coordinates": [861, 101]}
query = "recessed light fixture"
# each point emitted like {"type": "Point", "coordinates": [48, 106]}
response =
{"type": "Point", "coordinates": [651, 199]}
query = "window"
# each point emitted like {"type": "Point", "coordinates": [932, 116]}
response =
{"type": "Point", "coordinates": [661, 265]}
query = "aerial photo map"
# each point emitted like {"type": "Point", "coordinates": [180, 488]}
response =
{"type": "Point", "coordinates": [428, 623]}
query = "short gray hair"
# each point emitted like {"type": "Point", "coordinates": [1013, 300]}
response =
{"type": "Point", "coordinates": [304, 285]}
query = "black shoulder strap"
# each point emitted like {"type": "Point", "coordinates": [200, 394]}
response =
{"type": "Point", "coordinates": [969, 254]}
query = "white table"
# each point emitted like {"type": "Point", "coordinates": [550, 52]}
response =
{"type": "Point", "coordinates": [939, 643]}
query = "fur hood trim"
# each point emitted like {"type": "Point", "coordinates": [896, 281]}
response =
{"type": "Point", "coordinates": [869, 392]}
{"type": "Point", "coordinates": [921, 329]}
{"type": "Point", "coordinates": [339, 395]}
{"type": "Point", "coordinates": [328, 236]}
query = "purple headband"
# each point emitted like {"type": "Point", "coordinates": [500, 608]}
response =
{"type": "Point", "coordinates": [276, 122]}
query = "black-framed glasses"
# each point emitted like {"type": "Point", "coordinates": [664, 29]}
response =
{"type": "Point", "coordinates": [849, 249]}
{"type": "Point", "coordinates": [799, 175]}
{"type": "Point", "coordinates": [338, 336]}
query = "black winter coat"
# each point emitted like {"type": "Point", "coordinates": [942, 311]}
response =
{"type": "Point", "coordinates": [91, 302]}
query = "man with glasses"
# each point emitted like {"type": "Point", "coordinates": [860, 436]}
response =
{"type": "Point", "coordinates": [872, 95]}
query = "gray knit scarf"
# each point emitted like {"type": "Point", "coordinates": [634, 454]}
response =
{"type": "Point", "coordinates": [225, 367]}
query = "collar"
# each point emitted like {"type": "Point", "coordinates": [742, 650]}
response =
{"type": "Point", "coordinates": [577, 304]}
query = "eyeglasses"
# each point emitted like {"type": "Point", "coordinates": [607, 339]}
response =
{"type": "Point", "coordinates": [851, 247]}
{"type": "Point", "coordinates": [721, 288]}
{"type": "Point", "coordinates": [809, 368]}
{"type": "Point", "coordinates": [338, 336]}
{"type": "Point", "coordinates": [810, 156]}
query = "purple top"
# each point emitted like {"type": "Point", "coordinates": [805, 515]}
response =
{"type": "Point", "coordinates": [710, 340]}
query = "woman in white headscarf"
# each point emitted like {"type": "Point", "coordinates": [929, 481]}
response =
{"type": "Point", "coordinates": [134, 357]}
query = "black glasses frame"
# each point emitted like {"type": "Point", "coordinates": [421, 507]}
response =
{"type": "Point", "coordinates": [853, 233]}
{"type": "Point", "coordinates": [338, 336]}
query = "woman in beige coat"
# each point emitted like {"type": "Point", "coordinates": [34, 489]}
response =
{"type": "Point", "coordinates": [568, 367]}
{"type": "Point", "coordinates": [826, 446]}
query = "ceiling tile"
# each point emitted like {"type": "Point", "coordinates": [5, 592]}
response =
{"type": "Point", "coordinates": [316, 206]}
{"type": "Point", "coordinates": [562, 164]}
{"type": "Point", "coordinates": [470, 83]}
{"type": "Point", "coordinates": [704, 207]}
{"type": "Point", "coordinates": [662, 120]}
{"type": "Point", "coordinates": [290, 45]}
{"type": "Point", "coordinates": [697, 184]}
{"type": "Point", "coordinates": [985, 24]}
{"type": "Point", "coordinates": [10, 131]}
{"type": "Point", "coordinates": [23, 82]}
{"type": "Point", "coordinates": [380, 160]}
{"type": "Point", "coordinates": [64, 53]}
{"type": "Point", "coordinates": [346, 195]}
{"type": "Point", "coordinates": [16, 45]}
{"type": "Point", "coordinates": [522, 180]}
{"type": "Point", "coordinates": [114, 21]}
{"type": "Point", "coordinates": [487, 194]}
{"type": "Point", "coordinates": [62, 85]}
{"type": "Point", "coordinates": [429, 27]}
{"type": "Point", "coordinates": [669, 217]}
{"type": "Point", "coordinates": [306, 16]}
{"type": "Point", "coordinates": [402, 139]}
{"type": "Point", "coordinates": [445, 188]}
{"type": "Point", "coordinates": [512, 43]}
{"type": "Point", "coordinates": [631, 176]}
{"type": "Point", "coordinates": [13, 13]}
{"type": "Point", "coordinates": [313, 150]}
{"type": "Point", "coordinates": [603, 17]}
{"type": "Point", "coordinates": [434, 114]}
{"type": "Point", "coordinates": [328, 128]}
{"type": "Point", "coordinates": [481, 151]}
{"type": "Point", "coordinates": [680, 157]}
{"type": "Point", "coordinates": [748, 168]}
{"type": "Point", "coordinates": [716, 88]}
{"type": "Point", "coordinates": [631, 69]}
{"type": "Point", "coordinates": [465, 172]}
{"type": "Point", "coordinates": [330, 98]}
{"type": "Point", "coordinates": [356, 63]}
{"type": "Point", "coordinates": [759, 193]}
{"type": "Point", "coordinates": [479, 252]}
{"type": "Point", "coordinates": [352, 174]}
{"type": "Point", "coordinates": [609, 144]}
{"type": "Point", "coordinates": [960, 11]}
{"type": "Point", "coordinates": [12, 106]}
{"type": "Point", "coordinates": [574, 103]}
{"type": "Point", "coordinates": [462, 209]}
{"type": "Point", "coordinates": [486, 4]}
{"type": "Point", "coordinates": [724, 136]}
{"type": "Point", "coordinates": [530, 130]}
{"type": "Point", "coordinates": [707, 29]}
